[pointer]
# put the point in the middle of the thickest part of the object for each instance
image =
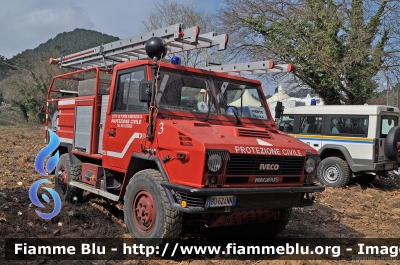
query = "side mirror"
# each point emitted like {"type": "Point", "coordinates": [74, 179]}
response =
{"type": "Point", "coordinates": [279, 108]}
{"type": "Point", "coordinates": [145, 91]}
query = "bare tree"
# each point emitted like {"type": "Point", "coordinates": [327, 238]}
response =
{"type": "Point", "coordinates": [338, 47]}
{"type": "Point", "coordinates": [26, 89]}
{"type": "Point", "coordinates": [171, 12]}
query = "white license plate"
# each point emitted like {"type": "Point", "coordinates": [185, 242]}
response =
{"type": "Point", "coordinates": [220, 201]}
{"type": "Point", "coordinates": [391, 166]}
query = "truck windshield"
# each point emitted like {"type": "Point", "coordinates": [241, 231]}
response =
{"type": "Point", "coordinates": [188, 92]}
{"type": "Point", "coordinates": [184, 91]}
{"type": "Point", "coordinates": [243, 98]}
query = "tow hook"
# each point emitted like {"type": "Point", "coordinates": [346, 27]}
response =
{"type": "Point", "coordinates": [308, 197]}
{"type": "Point", "coordinates": [277, 215]}
{"type": "Point", "coordinates": [228, 219]}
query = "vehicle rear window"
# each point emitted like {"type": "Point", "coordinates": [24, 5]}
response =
{"type": "Point", "coordinates": [387, 123]}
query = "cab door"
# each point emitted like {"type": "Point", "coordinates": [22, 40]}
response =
{"type": "Point", "coordinates": [386, 122]}
{"type": "Point", "coordinates": [125, 124]}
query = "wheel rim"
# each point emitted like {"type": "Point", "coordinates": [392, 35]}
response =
{"type": "Point", "coordinates": [144, 210]}
{"type": "Point", "coordinates": [63, 180]}
{"type": "Point", "coordinates": [331, 174]}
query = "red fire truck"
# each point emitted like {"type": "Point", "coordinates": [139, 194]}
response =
{"type": "Point", "coordinates": [173, 142]}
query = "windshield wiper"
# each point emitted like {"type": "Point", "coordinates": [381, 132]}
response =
{"type": "Point", "coordinates": [208, 114]}
{"type": "Point", "coordinates": [238, 121]}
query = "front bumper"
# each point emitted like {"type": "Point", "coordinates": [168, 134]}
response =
{"type": "Point", "coordinates": [247, 198]}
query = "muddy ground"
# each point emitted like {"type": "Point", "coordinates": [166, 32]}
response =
{"type": "Point", "coordinates": [356, 211]}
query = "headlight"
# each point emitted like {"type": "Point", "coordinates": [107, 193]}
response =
{"type": "Point", "coordinates": [310, 165]}
{"type": "Point", "coordinates": [214, 163]}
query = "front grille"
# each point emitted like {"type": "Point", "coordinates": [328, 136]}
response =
{"type": "Point", "coordinates": [290, 179]}
{"type": "Point", "coordinates": [237, 180]}
{"type": "Point", "coordinates": [250, 165]}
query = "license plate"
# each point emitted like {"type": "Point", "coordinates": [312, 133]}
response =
{"type": "Point", "coordinates": [220, 201]}
{"type": "Point", "coordinates": [391, 166]}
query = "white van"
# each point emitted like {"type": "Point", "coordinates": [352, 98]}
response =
{"type": "Point", "coordinates": [352, 140]}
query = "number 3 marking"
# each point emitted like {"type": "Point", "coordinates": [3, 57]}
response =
{"type": "Point", "coordinates": [161, 127]}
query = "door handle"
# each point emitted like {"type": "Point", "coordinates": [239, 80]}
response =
{"type": "Point", "coordinates": [316, 145]}
{"type": "Point", "coordinates": [112, 133]}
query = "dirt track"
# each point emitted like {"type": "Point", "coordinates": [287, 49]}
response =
{"type": "Point", "coordinates": [351, 212]}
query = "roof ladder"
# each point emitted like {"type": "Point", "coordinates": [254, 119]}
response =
{"type": "Point", "coordinates": [108, 55]}
{"type": "Point", "coordinates": [252, 68]}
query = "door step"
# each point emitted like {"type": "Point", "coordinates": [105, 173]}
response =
{"type": "Point", "coordinates": [94, 190]}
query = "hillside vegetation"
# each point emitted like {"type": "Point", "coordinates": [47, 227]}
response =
{"type": "Point", "coordinates": [25, 78]}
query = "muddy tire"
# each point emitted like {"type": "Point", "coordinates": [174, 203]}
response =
{"type": "Point", "coordinates": [392, 138]}
{"type": "Point", "coordinates": [333, 172]}
{"type": "Point", "coordinates": [147, 212]}
{"type": "Point", "coordinates": [64, 173]}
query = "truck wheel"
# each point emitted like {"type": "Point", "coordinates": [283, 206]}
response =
{"type": "Point", "coordinates": [333, 172]}
{"type": "Point", "coordinates": [64, 173]}
{"type": "Point", "coordinates": [147, 212]}
{"type": "Point", "coordinates": [392, 138]}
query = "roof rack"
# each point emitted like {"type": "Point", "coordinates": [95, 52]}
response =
{"type": "Point", "coordinates": [108, 55]}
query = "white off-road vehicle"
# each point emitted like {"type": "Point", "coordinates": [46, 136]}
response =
{"type": "Point", "coordinates": [358, 141]}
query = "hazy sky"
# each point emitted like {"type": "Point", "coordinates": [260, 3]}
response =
{"type": "Point", "coordinates": [24, 24]}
